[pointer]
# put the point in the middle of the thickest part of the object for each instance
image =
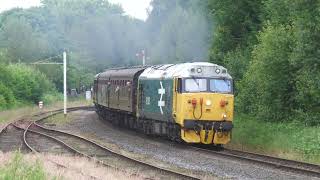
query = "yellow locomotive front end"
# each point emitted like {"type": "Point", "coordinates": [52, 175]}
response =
{"type": "Point", "coordinates": [203, 105]}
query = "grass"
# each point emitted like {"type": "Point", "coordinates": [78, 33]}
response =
{"type": "Point", "coordinates": [19, 169]}
{"type": "Point", "coordinates": [27, 111]}
{"type": "Point", "coordinates": [49, 166]}
{"type": "Point", "coordinates": [59, 119]}
{"type": "Point", "coordinates": [286, 140]}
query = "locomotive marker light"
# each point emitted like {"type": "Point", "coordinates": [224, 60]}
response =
{"type": "Point", "coordinates": [224, 116]}
{"type": "Point", "coordinates": [218, 71]}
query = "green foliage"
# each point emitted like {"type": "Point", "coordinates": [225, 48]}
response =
{"type": "Point", "coordinates": [269, 76]}
{"type": "Point", "coordinates": [20, 170]}
{"type": "Point", "coordinates": [237, 62]}
{"type": "Point", "coordinates": [21, 41]}
{"type": "Point", "coordinates": [7, 99]}
{"type": "Point", "coordinates": [97, 35]}
{"type": "Point", "coordinates": [236, 23]}
{"type": "Point", "coordinates": [284, 139]}
{"type": "Point", "coordinates": [27, 83]}
{"type": "Point", "coordinates": [49, 98]}
{"type": "Point", "coordinates": [21, 84]}
{"type": "Point", "coordinates": [272, 50]}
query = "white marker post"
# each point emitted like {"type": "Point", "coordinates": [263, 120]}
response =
{"type": "Point", "coordinates": [65, 83]}
{"type": "Point", "coordinates": [143, 58]}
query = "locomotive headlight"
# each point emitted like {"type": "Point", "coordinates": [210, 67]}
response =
{"type": "Point", "coordinates": [208, 102]}
{"type": "Point", "coordinates": [218, 71]}
{"type": "Point", "coordinates": [224, 115]}
{"type": "Point", "coordinates": [199, 70]}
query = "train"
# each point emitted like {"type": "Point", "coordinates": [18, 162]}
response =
{"type": "Point", "coordinates": [186, 102]}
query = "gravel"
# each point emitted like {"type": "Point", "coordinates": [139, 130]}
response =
{"type": "Point", "coordinates": [11, 139]}
{"type": "Point", "coordinates": [166, 153]}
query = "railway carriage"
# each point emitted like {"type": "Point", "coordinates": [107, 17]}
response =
{"type": "Point", "coordinates": [190, 102]}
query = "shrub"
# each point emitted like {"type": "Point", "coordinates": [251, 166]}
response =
{"type": "Point", "coordinates": [28, 84]}
{"type": "Point", "coordinates": [49, 98]}
{"type": "Point", "coordinates": [266, 89]}
{"type": "Point", "coordinates": [7, 99]}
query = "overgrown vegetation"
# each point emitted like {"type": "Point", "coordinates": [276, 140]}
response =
{"type": "Point", "coordinates": [272, 50]}
{"type": "Point", "coordinates": [288, 140]}
{"type": "Point", "coordinates": [19, 169]}
{"type": "Point", "coordinates": [21, 84]}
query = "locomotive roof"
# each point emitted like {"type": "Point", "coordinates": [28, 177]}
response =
{"type": "Point", "coordinates": [194, 69]}
{"type": "Point", "coordinates": [120, 72]}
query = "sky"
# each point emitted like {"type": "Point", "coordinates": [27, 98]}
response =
{"type": "Point", "coordinates": [135, 8]}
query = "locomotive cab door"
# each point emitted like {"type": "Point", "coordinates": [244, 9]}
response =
{"type": "Point", "coordinates": [177, 90]}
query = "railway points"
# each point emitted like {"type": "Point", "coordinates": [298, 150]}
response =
{"type": "Point", "coordinates": [71, 143]}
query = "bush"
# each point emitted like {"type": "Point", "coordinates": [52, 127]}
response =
{"type": "Point", "coordinates": [7, 99]}
{"type": "Point", "coordinates": [28, 84]}
{"type": "Point", "coordinates": [49, 98]}
{"type": "Point", "coordinates": [266, 89]}
{"type": "Point", "coordinates": [21, 84]}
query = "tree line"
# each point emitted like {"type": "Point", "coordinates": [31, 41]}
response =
{"type": "Point", "coordinates": [272, 50]}
{"type": "Point", "coordinates": [98, 35]}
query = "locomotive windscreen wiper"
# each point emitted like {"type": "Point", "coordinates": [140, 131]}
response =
{"type": "Point", "coordinates": [195, 80]}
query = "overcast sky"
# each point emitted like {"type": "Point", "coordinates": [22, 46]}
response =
{"type": "Point", "coordinates": [135, 8]}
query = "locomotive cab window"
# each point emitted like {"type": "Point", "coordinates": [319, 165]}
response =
{"type": "Point", "coordinates": [196, 85]}
{"type": "Point", "coordinates": [207, 85]}
{"type": "Point", "coordinates": [220, 85]}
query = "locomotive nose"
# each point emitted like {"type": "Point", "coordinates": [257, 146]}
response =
{"type": "Point", "coordinates": [210, 107]}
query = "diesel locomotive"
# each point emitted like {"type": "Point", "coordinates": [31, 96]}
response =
{"type": "Point", "coordinates": [190, 102]}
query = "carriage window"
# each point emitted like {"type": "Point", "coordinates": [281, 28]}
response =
{"type": "Point", "coordinates": [195, 85]}
{"type": "Point", "coordinates": [220, 85]}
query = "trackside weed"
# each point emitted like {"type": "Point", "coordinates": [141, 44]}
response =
{"type": "Point", "coordinates": [19, 169]}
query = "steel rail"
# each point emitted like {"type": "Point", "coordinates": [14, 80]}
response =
{"type": "Point", "coordinates": [29, 129]}
{"type": "Point", "coordinates": [286, 165]}
{"type": "Point", "coordinates": [4, 128]}
{"type": "Point", "coordinates": [288, 162]}
{"type": "Point", "coordinates": [52, 138]}
{"type": "Point", "coordinates": [167, 170]}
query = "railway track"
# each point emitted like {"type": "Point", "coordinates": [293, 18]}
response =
{"type": "Point", "coordinates": [297, 167]}
{"type": "Point", "coordinates": [72, 143]}
{"type": "Point", "coordinates": [11, 129]}
{"type": "Point", "coordinates": [78, 145]}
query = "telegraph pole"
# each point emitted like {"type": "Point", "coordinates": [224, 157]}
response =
{"type": "Point", "coordinates": [46, 62]}
{"type": "Point", "coordinates": [65, 83]}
